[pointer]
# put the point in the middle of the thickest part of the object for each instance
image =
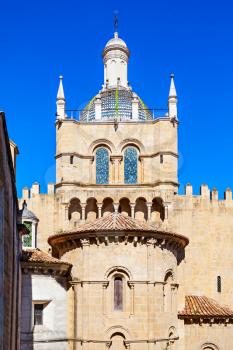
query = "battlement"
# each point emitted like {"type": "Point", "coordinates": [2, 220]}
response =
{"type": "Point", "coordinates": [35, 190]}
{"type": "Point", "coordinates": [207, 194]}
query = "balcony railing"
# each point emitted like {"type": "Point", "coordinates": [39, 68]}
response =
{"type": "Point", "coordinates": [109, 114]}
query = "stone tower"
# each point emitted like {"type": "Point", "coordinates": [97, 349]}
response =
{"type": "Point", "coordinates": [129, 263]}
{"type": "Point", "coordinates": [117, 140]}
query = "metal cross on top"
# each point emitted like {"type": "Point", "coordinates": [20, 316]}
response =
{"type": "Point", "coordinates": [115, 21]}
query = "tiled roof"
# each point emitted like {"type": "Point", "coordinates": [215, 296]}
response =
{"type": "Point", "coordinates": [116, 222]}
{"type": "Point", "coordinates": [201, 306]}
{"type": "Point", "coordinates": [38, 256]}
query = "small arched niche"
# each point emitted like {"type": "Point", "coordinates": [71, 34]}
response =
{"type": "Point", "coordinates": [157, 210]}
{"type": "Point", "coordinates": [141, 212]}
{"type": "Point", "coordinates": [91, 211]}
{"type": "Point", "coordinates": [107, 207]}
{"type": "Point", "coordinates": [75, 210]}
{"type": "Point", "coordinates": [124, 207]}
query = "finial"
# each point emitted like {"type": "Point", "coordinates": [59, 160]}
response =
{"type": "Point", "coordinates": [116, 23]}
{"type": "Point", "coordinates": [60, 93]}
{"type": "Point", "coordinates": [172, 92]}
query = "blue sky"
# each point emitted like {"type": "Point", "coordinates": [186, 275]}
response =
{"type": "Point", "coordinates": [42, 39]}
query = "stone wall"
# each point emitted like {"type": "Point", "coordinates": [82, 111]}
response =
{"type": "Point", "coordinates": [9, 247]}
{"type": "Point", "coordinates": [216, 336]}
{"type": "Point", "coordinates": [81, 140]}
{"type": "Point", "coordinates": [53, 333]}
{"type": "Point", "coordinates": [149, 300]}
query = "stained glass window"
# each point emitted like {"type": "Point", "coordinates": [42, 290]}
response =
{"type": "Point", "coordinates": [131, 165]}
{"type": "Point", "coordinates": [27, 239]}
{"type": "Point", "coordinates": [102, 166]}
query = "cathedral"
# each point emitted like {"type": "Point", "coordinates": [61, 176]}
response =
{"type": "Point", "coordinates": [114, 258]}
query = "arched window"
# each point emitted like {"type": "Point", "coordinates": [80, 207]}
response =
{"type": "Point", "coordinates": [118, 294]}
{"type": "Point", "coordinates": [102, 166]}
{"type": "Point", "coordinates": [131, 165]}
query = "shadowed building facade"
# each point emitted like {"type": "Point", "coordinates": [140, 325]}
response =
{"type": "Point", "coordinates": [130, 263]}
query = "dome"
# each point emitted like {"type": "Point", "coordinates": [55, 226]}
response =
{"type": "Point", "coordinates": [116, 103]}
{"type": "Point", "coordinates": [27, 214]}
{"type": "Point", "coordinates": [116, 44]}
{"type": "Point", "coordinates": [116, 41]}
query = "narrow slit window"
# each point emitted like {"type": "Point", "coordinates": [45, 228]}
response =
{"type": "Point", "coordinates": [161, 158]}
{"type": "Point", "coordinates": [219, 284]}
{"type": "Point", "coordinates": [118, 294]}
{"type": "Point", "coordinates": [38, 314]}
{"type": "Point", "coordinates": [71, 159]}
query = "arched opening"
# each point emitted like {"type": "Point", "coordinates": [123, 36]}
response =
{"type": "Point", "coordinates": [124, 207]}
{"type": "Point", "coordinates": [130, 165]}
{"type": "Point", "coordinates": [141, 212]}
{"type": "Point", "coordinates": [171, 335]}
{"type": "Point", "coordinates": [75, 210]}
{"type": "Point", "coordinates": [118, 293]}
{"type": "Point", "coordinates": [168, 291]}
{"type": "Point", "coordinates": [117, 341]}
{"type": "Point", "coordinates": [91, 211]}
{"type": "Point", "coordinates": [107, 206]}
{"type": "Point", "coordinates": [157, 210]}
{"type": "Point", "coordinates": [209, 346]}
{"type": "Point", "coordinates": [102, 166]}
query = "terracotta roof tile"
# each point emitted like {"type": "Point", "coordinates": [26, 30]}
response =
{"type": "Point", "coordinates": [201, 306]}
{"type": "Point", "coordinates": [36, 255]}
{"type": "Point", "coordinates": [116, 222]}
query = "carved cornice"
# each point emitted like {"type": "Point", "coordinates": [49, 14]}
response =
{"type": "Point", "coordinates": [45, 269]}
{"type": "Point", "coordinates": [120, 185]}
{"type": "Point", "coordinates": [78, 155]}
{"type": "Point", "coordinates": [153, 155]}
{"type": "Point", "coordinates": [163, 240]}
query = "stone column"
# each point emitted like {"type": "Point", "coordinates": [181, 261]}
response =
{"type": "Point", "coordinates": [105, 284]}
{"type": "Point", "coordinates": [142, 169]}
{"type": "Point", "coordinates": [83, 206]}
{"type": "Point", "coordinates": [132, 205]}
{"type": "Point", "coordinates": [34, 243]}
{"type": "Point", "coordinates": [131, 285]}
{"type": "Point", "coordinates": [135, 104]}
{"type": "Point", "coordinates": [67, 212]}
{"type": "Point", "coordinates": [116, 166]}
{"type": "Point", "coordinates": [150, 289]}
{"type": "Point", "coordinates": [165, 211]}
{"type": "Point", "coordinates": [149, 206]}
{"type": "Point", "coordinates": [85, 289]}
{"type": "Point", "coordinates": [174, 287]}
{"type": "Point", "coordinates": [116, 206]}
{"type": "Point", "coordinates": [99, 205]}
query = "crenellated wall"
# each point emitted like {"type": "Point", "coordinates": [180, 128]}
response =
{"type": "Point", "coordinates": [205, 220]}
{"type": "Point", "coordinates": [208, 223]}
